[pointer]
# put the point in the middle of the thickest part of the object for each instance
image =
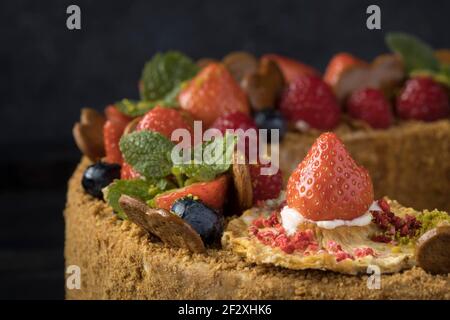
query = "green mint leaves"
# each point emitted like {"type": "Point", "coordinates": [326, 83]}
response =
{"type": "Point", "coordinates": [418, 57]}
{"type": "Point", "coordinates": [141, 189]}
{"type": "Point", "coordinates": [161, 82]}
{"type": "Point", "coordinates": [208, 160]}
{"type": "Point", "coordinates": [164, 73]}
{"type": "Point", "coordinates": [148, 153]}
{"type": "Point", "coordinates": [416, 54]}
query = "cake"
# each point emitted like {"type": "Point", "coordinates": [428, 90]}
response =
{"type": "Point", "coordinates": [169, 201]}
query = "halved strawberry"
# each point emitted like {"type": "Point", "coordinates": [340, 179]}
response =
{"type": "Point", "coordinates": [112, 131]}
{"type": "Point", "coordinates": [328, 184]}
{"type": "Point", "coordinates": [213, 93]}
{"type": "Point", "coordinates": [212, 193]}
{"type": "Point", "coordinates": [127, 172]}
{"type": "Point", "coordinates": [291, 68]}
{"type": "Point", "coordinates": [338, 64]}
{"type": "Point", "coordinates": [164, 121]}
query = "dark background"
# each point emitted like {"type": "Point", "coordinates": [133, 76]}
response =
{"type": "Point", "coordinates": [49, 72]}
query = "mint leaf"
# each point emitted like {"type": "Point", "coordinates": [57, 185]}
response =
{"type": "Point", "coordinates": [212, 164]}
{"type": "Point", "coordinates": [416, 54]}
{"type": "Point", "coordinates": [164, 73]}
{"type": "Point", "coordinates": [135, 108]}
{"type": "Point", "coordinates": [137, 188]}
{"type": "Point", "coordinates": [147, 152]}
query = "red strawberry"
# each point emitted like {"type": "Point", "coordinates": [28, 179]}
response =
{"type": "Point", "coordinates": [234, 120]}
{"type": "Point", "coordinates": [423, 99]}
{"type": "Point", "coordinates": [328, 184]}
{"type": "Point", "coordinates": [213, 93]}
{"type": "Point", "coordinates": [338, 64]}
{"type": "Point", "coordinates": [290, 68]}
{"type": "Point", "coordinates": [371, 106]}
{"type": "Point", "coordinates": [212, 193]}
{"type": "Point", "coordinates": [112, 131]}
{"type": "Point", "coordinates": [265, 186]}
{"type": "Point", "coordinates": [164, 121]}
{"type": "Point", "coordinates": [114, 115]}
{"type": "Point", "coordinates": [127, 172]}
{"type": "Point", "coordinates": [311, 100]}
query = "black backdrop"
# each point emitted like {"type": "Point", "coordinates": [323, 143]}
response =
{"type": "Point", "coordinates": [48, 73]}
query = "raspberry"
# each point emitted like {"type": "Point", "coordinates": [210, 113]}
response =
{"type": "Point", "coordinates": [371, 106]}
{"type": "Point", "coordinates": [423, 99]}
{"type": "Point", "coordinates": [265, 186]}
{"type": "Point", "coordinates": [311, 100]}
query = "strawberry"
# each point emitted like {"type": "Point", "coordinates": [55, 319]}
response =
{"type": "Point", "coordinates": [423, 99]}
{"type": "Point", "coordinates": [213, 93]}
{"type": "Point", "coordinates": [212, 193]}
{"type": "Point", "coordinates": [127, 172]}
{"type": "Point", "coordinates": [114, 115]}
{"type": "Point", "coordinates": [265, 186]}
{"type": "Point", "coordinates": [234, 120]}
{"type": "Point", "coordinates": [328, 184]}
{"type": "Point", "coordinates": [311, 100]}
{"type": "Point", "coordinates": [290, 68]}
{"type": "Point", "coordinates": [371, 106]}
{"type": "Point", "coordinates": [112, 131]}
{"type": "Point", "coordinates": [164, 121]}
{"type": "Point", "coordinates": [338, 64]}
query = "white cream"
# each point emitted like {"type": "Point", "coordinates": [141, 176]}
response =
{"type": "Point", "coordinates": [291, 218]}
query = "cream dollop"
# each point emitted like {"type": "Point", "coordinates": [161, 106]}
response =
{"type": "Point", "coordinates": [291, 218]}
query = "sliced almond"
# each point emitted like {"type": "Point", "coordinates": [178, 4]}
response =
{"type": "Point", "coordinates": [88, 134]}
{"type": "Point", "coordinates": [240, 63]}
{"type": "Point", "coordinates": [264, 85]}
{"type": "Point", "coordinates": [385, 72]}
{"type": "Point", "coordinates": [433, 250]}
{"type": "Point", "coordinates": [168, 227]}
{"type": "Point", "coordinates": [242, 181]}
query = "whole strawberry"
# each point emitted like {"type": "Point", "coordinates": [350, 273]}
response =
{"type": "Point", "coordinates": [310, 100]}
{"type": "Point", "coordinates": [423, 99]}
{"type": "Point", "coordinates": [328, 184]}
{"type": "Point", "coordinates": [211, 94]}
{"type": "Point", "coordinates": [112, 131]}
{"type": "Point", "coordinates": [265, 186]}
{"type": "Point", "coordinates": [127, 172]}
{"type": "Point", "coordinates": [371, 106]}
{"type": "Point", "coordinates": [164, 121]}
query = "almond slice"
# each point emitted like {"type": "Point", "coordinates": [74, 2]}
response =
{"type": "Point", "coordinates": [242, 181]}
{"type": "Point", "coordinates": [171, 229]}
{"type": "Point", "coordinates": [88, 134]}
{"type": "Point", "coordinates": [240, 63]}
{"type": "Point", "coordinates": [433, 250]}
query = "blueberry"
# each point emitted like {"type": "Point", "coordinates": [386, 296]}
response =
{"type": "Point", "coordinates": [98, 176]}
{"type": "Point", "coordinates": [270, 119]}
{"type": "Point", "coordinates": [207, 222]}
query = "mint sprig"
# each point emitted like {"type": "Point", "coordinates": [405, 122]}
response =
{"type": "Point", "coordinates": [416, 54]}
{"type": "Point", "coordinates": [142, 189]}
{"type": "Point", "coordinates": [216, 157]}
{"type": "Point", "coordinates": [148, 153]}
{"type": "Point", "coordinates": [164, 73]}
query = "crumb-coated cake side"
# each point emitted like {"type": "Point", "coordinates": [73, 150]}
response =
{"type": "Point", "coordinates": [409, 162]}
{"type": "Point", "coordinates": [118, 260]}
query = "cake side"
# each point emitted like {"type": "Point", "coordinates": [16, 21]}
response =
{"type": "Point", "coordinates": [118, 260]}
{"type": "Point", "coordinates": [409, 162]}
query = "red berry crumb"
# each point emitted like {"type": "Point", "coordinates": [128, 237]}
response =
{"type": "Point", "coordinates": [371, 106]}
{"type": "Point", "coordinates": [423, 99]}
